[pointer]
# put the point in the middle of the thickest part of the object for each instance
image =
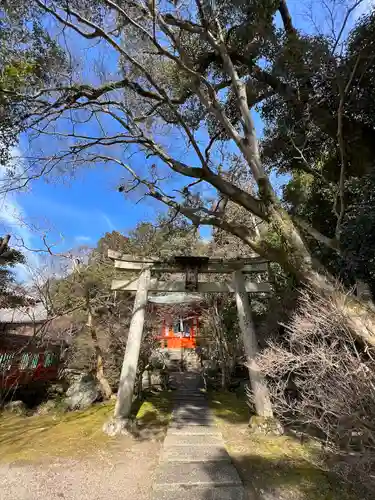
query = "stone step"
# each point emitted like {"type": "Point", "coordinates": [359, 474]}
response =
{"type": "Point", "coordinates": [188, 396]}
{"type": "Point", "coordinates": [201, 493]}
{"type": "Point", "coordinates": [193, 404]}
{"type": "Point", "coordinates": [188, 411]}
{"type": "Point", "coordinates": [184, 413]}
{"type": "Point", "coordinates": [188, 384]}
{"type": "Point", "coordinates": [190, 403]}
{"type": "Point", "coordinates": [195, 454]}
{"type": "Point", "coordinates": [185, 417]}
{"type": "Point", "coordinates": [188, 422]}
{"type": "Point", "coordinates": [193, 440]}
{"type": "Point", "coordinates": [171, 474]}
{"type": "Point", "coordinates": [191, 409]}
{"type": "Point", "coordinates": [179, 401]}
{"type": "Point", "coordinates": [188, 391]}
{"type": "Point", "coordinates": [195, 430]}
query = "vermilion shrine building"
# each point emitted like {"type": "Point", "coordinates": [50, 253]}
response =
{"type": "Point", "coordinates": [180, 332]}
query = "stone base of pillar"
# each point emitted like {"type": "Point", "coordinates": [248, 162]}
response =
{"type": "Point", "coordinates": [265, 425]}
{"type": "Point", "coordinates": [118, 426]}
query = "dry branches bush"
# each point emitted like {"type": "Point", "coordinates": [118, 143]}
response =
{"type": "Point", "coordinates": [322, 382]}
{"type": "Point", "coordinates": [111, 330]}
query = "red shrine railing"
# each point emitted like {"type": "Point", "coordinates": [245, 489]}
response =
{"type": "Point", "coordinates": [22, 363]}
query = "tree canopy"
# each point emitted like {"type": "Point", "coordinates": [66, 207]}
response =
{"type": "Point", "coordinates": [180, 90]}
{"type": "Point", "coordinates": [9, 257]}
{"type": "Point", "coordinates": [29, 59]}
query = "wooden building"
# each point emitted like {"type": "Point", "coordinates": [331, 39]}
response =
{"type": "Point", "coordinates": [179, 315]}
{"type": "Point", "coordinates": [179, 332]}
{"type": "Point", "coordinates": [26, 357]}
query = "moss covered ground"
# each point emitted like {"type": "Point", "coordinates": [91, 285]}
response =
{"type": "Point", "coordinates": [73, 434]}
{"type": "Point", "coordinates": [274, 466]}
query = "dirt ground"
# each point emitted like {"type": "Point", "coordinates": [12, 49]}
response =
{"type": "Point", "coordinates": [107, 474]}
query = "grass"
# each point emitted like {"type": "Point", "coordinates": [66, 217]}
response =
{"type": "Point", "coordinates": [279, 465]}
{"type": "Point", "coordinates": [74, 434]}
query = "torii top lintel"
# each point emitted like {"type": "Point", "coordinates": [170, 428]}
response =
{"type": "Point", "coordinates": [191, 266]}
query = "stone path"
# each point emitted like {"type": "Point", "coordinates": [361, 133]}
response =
{"type": "Point", "coordinates": [194, 464]}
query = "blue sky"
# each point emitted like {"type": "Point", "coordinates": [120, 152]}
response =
{"type": "Point", "coordinates": [80, 210]}
{"type": "Point", "coordinates": [85, 207]}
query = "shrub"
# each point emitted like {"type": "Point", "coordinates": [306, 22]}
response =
{"type": "Point", "coordinates": [322, 381]}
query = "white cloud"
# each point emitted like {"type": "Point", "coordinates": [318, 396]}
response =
{"type": "Point", "coordinates": [108, 221]}
{"type": "Point", "coordinates": [83, 239]}
{"type": "Point", "coordinates": [13, 219]}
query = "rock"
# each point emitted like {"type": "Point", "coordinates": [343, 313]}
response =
{"type": "Point", "coordinates": [46, 407]}
{"type": "Point", "coordinates": [210, 368]}
{"type": "Point", "coordinates": [210, 365]}
{"type": "Point", "coordinates": [117, 427]}
{"type": "Point", "coordinates": [265, 425]}
{"type": "Point", "coordinates": [158, 360]}
{"type": "Point", "coordinates": [56, 390]}
{"type": "Point", "coordinates": [83, 392]}
{"type": "Point", "coordinates": [17, 407]}
{"type": "Point", "coordinates": [70, 375]}
{"type": "Point", "coordinates": [155, 379]}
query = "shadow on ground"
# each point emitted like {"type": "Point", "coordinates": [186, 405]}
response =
{"type": "Point", "coordinates": [279, 479]}
{"type": "Point", "coordinates": [274, 467]}
{"type": "Point", "coordinates": [151, 416]}
{"type": "Point", "coordinates": [282, 479]}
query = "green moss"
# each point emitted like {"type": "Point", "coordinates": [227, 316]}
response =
{"type": "Point", "coordinates": [69, 434]}
{"type": "Point", "coordinates": [155, 409]}
{"type": "Point", "coordinates": [72, 434]}
{"type": "Point", "coordinates": [280, 464]}
{"type": "Point", "coordinates": [230, 407]}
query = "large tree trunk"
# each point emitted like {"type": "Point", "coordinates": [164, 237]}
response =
{"type": "Point", "coordinates": [295, 257]}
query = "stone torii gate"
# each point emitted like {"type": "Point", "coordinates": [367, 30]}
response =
{"type": "Point", "coordinates": [147, 270]}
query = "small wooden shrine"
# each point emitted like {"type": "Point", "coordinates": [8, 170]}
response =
{"type": "Point", "coordinates": [179, 332]}
{"type": "Point", "coordinates": [180, 319]}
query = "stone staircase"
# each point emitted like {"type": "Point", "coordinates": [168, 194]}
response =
{"type": "Point", "coordinates": [179, 357]}
{"type": "Point", "coordinates": [194, 464]}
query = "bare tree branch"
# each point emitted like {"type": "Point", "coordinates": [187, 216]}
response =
{"type": "Point", "coordinates": [349, 12]}
{"type": "Point", "coordinates": [287, 18]}
{"type": "Point", "coordinates": [306, 167]}
{"type": "Point", "coordinates": [321, 238]}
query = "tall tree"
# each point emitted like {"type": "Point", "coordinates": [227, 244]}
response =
{"type": "Point", "coordinates": [101, 321]}
{"type": "Point", "coordinates": [29, 60]}
{"type": "Point", "coordinates": [330, 183]}
{"type": "Point", "coordinates": [8, 259]}
{"type": "Point", "coordinates": [203, 67]}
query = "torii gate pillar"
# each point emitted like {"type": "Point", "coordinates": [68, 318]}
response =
{"type": "Point", "coordinates": [261, 395]}
{"type": "Point", "coordinates": [133, 345]}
